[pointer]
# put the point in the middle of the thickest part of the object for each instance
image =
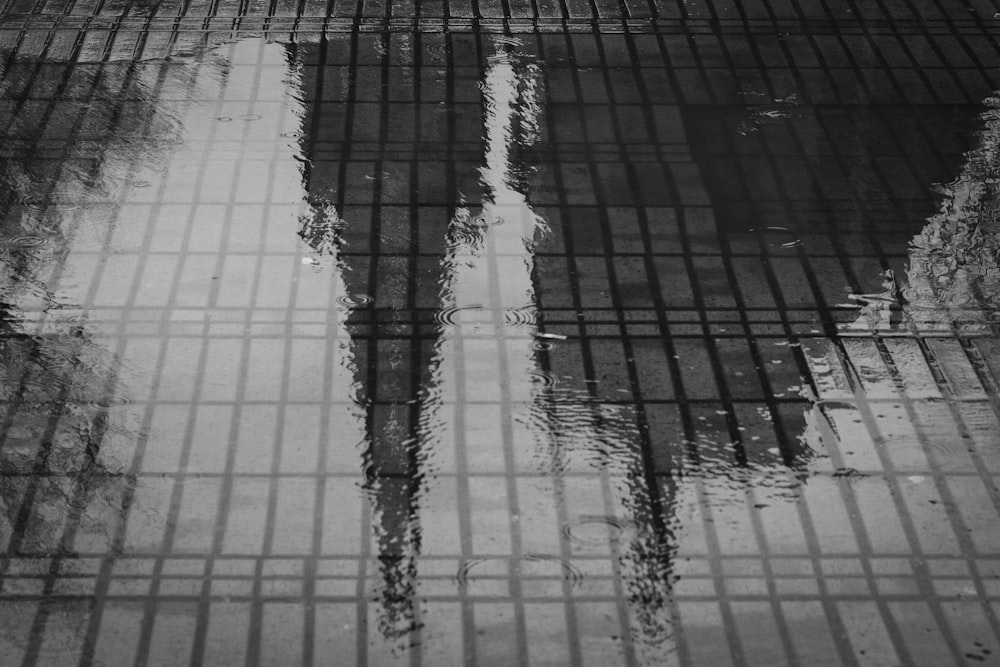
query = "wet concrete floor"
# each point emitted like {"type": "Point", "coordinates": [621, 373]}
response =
{"type": "Point", "coordinates": [493, 333]}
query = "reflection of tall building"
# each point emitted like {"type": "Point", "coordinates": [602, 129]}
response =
{"type": "Point", "coordinates": [392, 355]}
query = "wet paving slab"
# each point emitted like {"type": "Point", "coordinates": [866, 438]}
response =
{"type": "Point", "coordinates": [638, 335]}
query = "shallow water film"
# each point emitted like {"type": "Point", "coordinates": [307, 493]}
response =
{"type": "Point", "coordinates": [499, 333]}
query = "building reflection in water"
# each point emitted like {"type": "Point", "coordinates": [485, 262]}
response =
{"type": "Point", "coordinates": [487, 343]}
{"type": "Point", "coordinates": [389, 367]}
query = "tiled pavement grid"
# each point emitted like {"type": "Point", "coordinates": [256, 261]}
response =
{"type": "Point", "coordinates": [292, 405]}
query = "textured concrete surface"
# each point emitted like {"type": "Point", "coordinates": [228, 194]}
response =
{"type": "Point", "coordinates": [499, 333]}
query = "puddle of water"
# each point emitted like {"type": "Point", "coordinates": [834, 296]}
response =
{"type": "Point", "coordinates": [341, 356]}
